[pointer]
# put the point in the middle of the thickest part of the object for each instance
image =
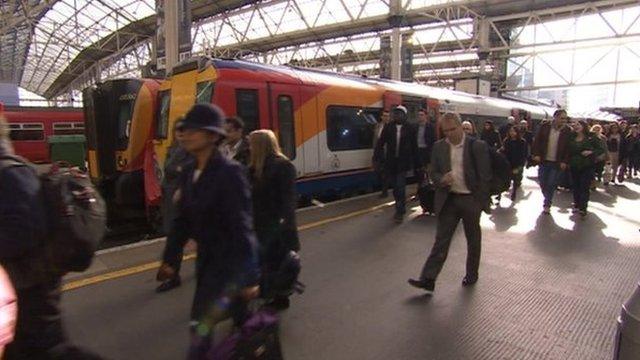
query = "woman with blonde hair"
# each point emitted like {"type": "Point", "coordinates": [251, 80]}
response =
{"type": "Point", "coordinates": [273, 181]}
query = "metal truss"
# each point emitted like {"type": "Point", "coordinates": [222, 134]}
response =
{"type": "Point", "coordinates": [68, 28]}
{"type": "Point", "coordinates": [343, 35]}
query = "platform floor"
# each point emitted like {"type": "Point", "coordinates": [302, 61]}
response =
{"type": "Point", "coordinates": [550, 288]}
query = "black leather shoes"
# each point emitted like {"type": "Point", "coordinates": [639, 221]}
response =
{"type": "Point", "coordinates": [169, 284]}
{"type": "Point", "coordinates": [426, 285]}
{"type": "Point", "coordinates": [469, 280]}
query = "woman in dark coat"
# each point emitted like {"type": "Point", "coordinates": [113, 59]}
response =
{"type": "Point", "coordinates": [273, 180]}
{"type": "Point", "coordinates": [490, 135]}
{"type": "Point", "coordinates": [515, 150]}
{"type": "Point", "coordinates": [584, 149]}
{"type": "Point", "coordinates": [215, 211]}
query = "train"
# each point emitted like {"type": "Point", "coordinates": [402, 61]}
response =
{"type": "Point", "coordinates": [32, 126]}
{"type": "Point", "coordinates": [324, 121]}
{"type": "Point", "coordinates": [120, 118]}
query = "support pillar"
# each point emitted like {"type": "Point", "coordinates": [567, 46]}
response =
{"type": "Point", "coordinates": [396, 18]}
{"type": "Point", "coordinates": [171, 33]}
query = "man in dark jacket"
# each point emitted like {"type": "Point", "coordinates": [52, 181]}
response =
{"type": "Point", "coordinates": [236, 146]}
{"type": "Point", "coordinates": [462, 191]}
{"type": "Point", "coordinates": [398, 150]}
{"type": "Point", "coordinates": [39, 331]}
{"type": "Point", "coordinates": [490, 136]}
{"type": "Point", "coordinates": [215, 211]}
{"type": "Point", "coordinates": [504, 129]}
{"type": "Point", "coordinates": [177, 159]}
{"type": "Point", "coordinates": [550, 150]}
{"type": "Point", "coordinates": [426, 138]}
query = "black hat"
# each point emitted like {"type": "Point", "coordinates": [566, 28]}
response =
{"type": "Point", "coordinates": [204, 117]}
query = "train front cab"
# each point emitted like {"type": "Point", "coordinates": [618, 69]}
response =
{"type": "Point", "coordinates": [190, 82]}
{"type": "Point", "coordinates": [119, 122]}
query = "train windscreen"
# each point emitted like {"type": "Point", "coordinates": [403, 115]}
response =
{"type": "Point", "coordinates": [109, 112]}
{"type": "Point", "coordinates": [162, 122]}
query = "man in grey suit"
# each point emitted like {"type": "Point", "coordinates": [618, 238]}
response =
{"type": "Point", "coordinates": [461, 170]}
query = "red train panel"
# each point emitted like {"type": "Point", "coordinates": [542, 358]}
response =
{"type": "Point", "coordinates": [31, 126]}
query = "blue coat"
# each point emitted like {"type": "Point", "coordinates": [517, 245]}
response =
{"type": "Point", "coordinates": [215, 211]}
{"type": "Point", "coordinates": [22, 222]}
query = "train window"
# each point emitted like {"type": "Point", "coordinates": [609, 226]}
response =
{"type": "Point", "coordinates": [248, 109]}
{"type": "Point", "coordinates": [125, 113]}
{"type": "Point", "coordinates": [26, 132]}
{"type": "Point", "coordinates": [286, 130]}
{"type": "Point", "coordinates": [162, 123]}
{"type": "Point", "coordinates": [68, 129]}
{"type": "Point", "coordinates": [350, 128]}
{"type": "Point", "coordinates": [204, 92]}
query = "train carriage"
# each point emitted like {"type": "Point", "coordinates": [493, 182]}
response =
{"type": "Point", "coordinates": [32, 126]}
{"type": "Point", "coordinates": [324, 121]}
{"type": "Point", "coordinates": [120, 123]}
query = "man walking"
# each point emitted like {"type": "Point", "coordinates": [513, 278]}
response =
{"type": "Point", "coordinates": [550, 151]}
{"type": "Point", "coordinates": [461, 171]}
{"type": "Point", "coordinates": [378, 166]}
{"type": "Point", "coordinates": [236, 146]}
{"type": "Point", "coordinates": [398, 150]}
{"type": "Point", "coordinates": [426, 138]}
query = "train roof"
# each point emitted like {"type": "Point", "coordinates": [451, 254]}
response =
{"type": "Point", "coordinates": [460, 101]}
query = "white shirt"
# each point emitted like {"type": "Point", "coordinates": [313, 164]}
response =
{"type": "Point", "coordinates": [379, 129]}
{"type": "Point", "coordinates": [552, 145]}
{"type": "Point", "coordinates": [459, 185]}
{"type": "Point", "coordinates": [398, 132]}
{"type": "Point", "coordinates": [231, 151]}
{"type": "Point", "coordinates": [196, 175]}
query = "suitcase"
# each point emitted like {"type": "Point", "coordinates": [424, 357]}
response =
{"type": "Point", "coordinates": [426, 195]}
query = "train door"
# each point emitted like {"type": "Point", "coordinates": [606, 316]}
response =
{"type": "Point", "coordinates": [285, 119]}
{"type": "Point", "coordinates": [308, 130]}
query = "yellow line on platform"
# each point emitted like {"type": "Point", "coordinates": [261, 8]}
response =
{"type": "Point", "coordinates": [156, 264]}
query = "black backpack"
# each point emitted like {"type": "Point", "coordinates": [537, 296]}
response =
{"type": "Point", "coordinates": [76, 217]}
{"type": "Point", "coordinates": [500, 170]}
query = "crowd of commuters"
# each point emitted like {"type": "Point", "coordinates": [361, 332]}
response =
{"type": "Point", "coordinates": [574, 154]}
{"type": "Point", "coordinates": [246, 187]}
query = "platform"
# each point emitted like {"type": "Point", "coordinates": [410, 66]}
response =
{"type": "Point", "coordinates": [550, 287]}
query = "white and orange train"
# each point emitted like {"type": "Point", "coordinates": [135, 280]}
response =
{"type": "Point", "coordinates": [324, 121]}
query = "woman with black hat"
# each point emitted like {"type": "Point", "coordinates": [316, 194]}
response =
{"type": "Point", "coordinates": [215, 211]}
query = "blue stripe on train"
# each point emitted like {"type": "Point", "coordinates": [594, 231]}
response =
{"type": "Point", "coordinates": [337, 184]}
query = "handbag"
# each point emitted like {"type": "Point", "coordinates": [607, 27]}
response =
{"type": "Point", "coordinates": [257, 338]}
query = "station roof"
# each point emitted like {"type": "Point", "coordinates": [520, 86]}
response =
{"type": "Point", "coordinates": [47, 44]}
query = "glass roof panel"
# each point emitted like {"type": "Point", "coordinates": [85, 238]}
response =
{"type": "Point", "coordinates": [71, 26]}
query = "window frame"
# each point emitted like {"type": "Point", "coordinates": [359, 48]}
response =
{"type": "Point", "coordinates": [331, 145]}
{"type": "Point", "coordinates": [73, 126]}
{"type": "Point", "coordinates": [161, 131]}
{"type": "Point", "coordinates": [210, 89]}
{"type": "Point", "coordinates": [281, 133]}
{"type": "Point", "coordinates": [21, 127]}
{"type": "Point", "coordinates": [249, 124]}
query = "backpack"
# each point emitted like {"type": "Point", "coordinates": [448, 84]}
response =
{"type": "Point", "coordinates": [76, 217]}
{"type": "Point", "coordinates": [500, 170]}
